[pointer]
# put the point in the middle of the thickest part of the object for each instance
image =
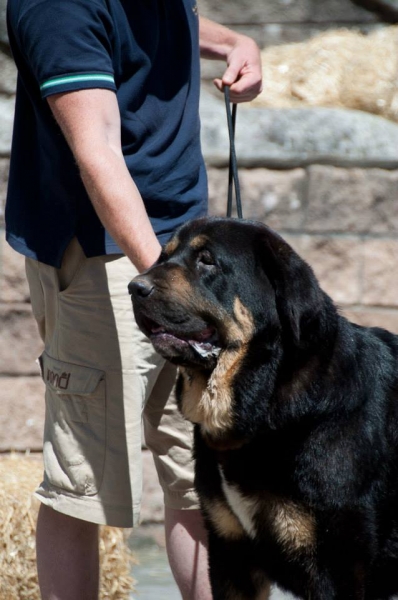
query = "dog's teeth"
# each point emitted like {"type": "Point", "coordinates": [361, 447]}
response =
{"type": "Point", "coordinates": [205, 350]}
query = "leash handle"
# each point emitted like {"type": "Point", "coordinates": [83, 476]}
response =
{"type": "Point", "coordinates": [233, 179]}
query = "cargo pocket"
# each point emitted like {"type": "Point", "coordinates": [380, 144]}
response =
{"type": "Point", "coordinates": [75, 426]}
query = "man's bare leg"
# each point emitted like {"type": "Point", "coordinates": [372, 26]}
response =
{"type": "Point", "coordinates": [67, 556]}
{"type": "Point", "coordinates": [186, 542]}
{"type": "Point", "coordinates": [68, 564]}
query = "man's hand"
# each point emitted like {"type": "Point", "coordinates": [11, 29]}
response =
{"type": "Point", "coordinates": [243, 73]}
{"type": "Point", "coordinates": [242, 55]}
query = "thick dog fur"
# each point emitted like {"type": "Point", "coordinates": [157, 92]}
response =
{"type": "Point", "coordinates": [295, 412]}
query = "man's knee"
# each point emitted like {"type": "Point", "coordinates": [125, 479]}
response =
{"type": "Point", "coordinates": [53, 522]}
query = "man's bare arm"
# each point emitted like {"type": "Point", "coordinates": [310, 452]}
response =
{"type": "Point", "coordinates": [242, 55]}
{"type": "Point", "coordinates": [90, 121]}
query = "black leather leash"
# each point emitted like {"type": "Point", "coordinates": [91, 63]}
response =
{"type": "Point", "coordinates": [233, 179]}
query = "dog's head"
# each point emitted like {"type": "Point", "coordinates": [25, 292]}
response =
{"type": "Point", "coordinates": [219, 284]}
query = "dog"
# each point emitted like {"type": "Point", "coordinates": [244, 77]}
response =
{"type": "Point", "coordinates": [295, 413]}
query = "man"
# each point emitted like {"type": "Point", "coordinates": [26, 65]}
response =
{"type": "Point", "coordinates": [120, 80]}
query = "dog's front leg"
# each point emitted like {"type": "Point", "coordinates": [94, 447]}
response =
{"type": "Point", "coordinates": [234, 574]}
{"type": "Point", "coordinates": [343, 558]}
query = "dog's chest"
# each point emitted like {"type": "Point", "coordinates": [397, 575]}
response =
{"type": "Point", "coordinates": [244, 507]}
{"type": "Point", "coordinates": [264, 514]}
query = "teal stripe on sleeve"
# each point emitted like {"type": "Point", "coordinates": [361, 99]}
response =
{"type": "Point", "coordinates": [76, 79]}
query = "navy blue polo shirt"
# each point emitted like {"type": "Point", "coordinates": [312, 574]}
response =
{"type": "Point", "coordinates": [147, 52]}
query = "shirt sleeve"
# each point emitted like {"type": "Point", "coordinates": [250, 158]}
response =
{"type": "Point", "coordinates": [68, 45]}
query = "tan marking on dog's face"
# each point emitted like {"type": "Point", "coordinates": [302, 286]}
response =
{"type": "Point", "coordinates": [172, 245]}
{"type": "Point", "coordinates": [245, 321]}
{"type": "Point", "coordinates": [224, 520]}
{"type": "Point", "coordinates": [239, 328]}
{"type": "Point", "coordinates": [209, 402]}
{"type": "Point", "coordinates": [292, 525]}
{"type": "Point", "coordinates": [218, 398]}
{"type": "Point", "coordinates": [180, 287]}
{"type": "Point", "coordinates": [198, 242]}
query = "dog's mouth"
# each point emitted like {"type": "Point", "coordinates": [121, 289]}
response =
{"type": "Point", "coordinates": [205, 342]}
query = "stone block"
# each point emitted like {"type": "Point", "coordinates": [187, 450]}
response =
{"type": "Point", "coordinates": [8, 70]}
{"type": "Point", "coordinates": [332, 12]}
{"type": "Point", "coordinates": [13, 283]}
{"type": "Point", "coordinates": [336, 262]}
{"type": "Point", "coordinates": [274, 197]}
{"type": "Point", "coordinates": [288, 138]}
{"type": "Point", "coordinates": [3, 27]}
{"type": "Point", "coordinates": [4, 168]}
{"type": "Point", "coordinates": [387, 9]}
{"type": "Point", "coordinates": [218, 190]}
{"type": "Point", "coordinates": [255, 11]}
{"type": "Point", "coordinates": [352, 200]}
{"type": "Point", "coordinates": [6, 123]}
{"type": "Point", "coordinates": [21, 413]}
{"type": "Point", "coordinates": [383, 187]}
{"type": "Point", "coordinates": [20, 344]}
{"type": "Point", "coordinates": [380, 268]}
{"type": "Point", "coordinates": [368, 317]}
{"type": "Point", "coordinates": [275, 34]}
{"type": "Point", "coordinates": [338, 200]}
{"type": "Point", "coordinates": [339, 11]}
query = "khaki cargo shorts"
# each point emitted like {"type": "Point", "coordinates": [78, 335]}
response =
{"type": "Point", "coordinates": [103, 379]}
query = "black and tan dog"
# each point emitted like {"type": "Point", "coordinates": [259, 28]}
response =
{"type": "Point", "coordinates": [296, 413]}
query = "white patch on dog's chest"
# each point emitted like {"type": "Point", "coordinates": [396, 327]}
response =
{"type": "Point", "coordinates": [292, 525]}
{"type": "Point", "coordinates": [244, 508]}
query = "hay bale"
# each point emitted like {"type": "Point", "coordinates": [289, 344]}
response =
{"type": "Point", "coordinates": [339, 68]}
{"type": "Point", "coordinates": [19, 476]}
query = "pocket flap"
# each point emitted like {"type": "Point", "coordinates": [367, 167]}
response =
{"type": "Point", "coordinates": [68, 378]}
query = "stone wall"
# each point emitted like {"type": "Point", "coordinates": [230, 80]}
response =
{"type": "Point", "coordinates": [326, 179]}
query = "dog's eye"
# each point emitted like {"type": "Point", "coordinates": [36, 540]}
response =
{"type": "Point", "coordinates": [205, 258]}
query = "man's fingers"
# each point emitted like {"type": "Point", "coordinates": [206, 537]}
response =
{"type": "Point", "coordinates": [231, 75]}
{"type": "Point", "coordinates": [243, 90]}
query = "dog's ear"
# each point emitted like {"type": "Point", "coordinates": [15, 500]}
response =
{"type": "Point", "coordinates": [299, 299]}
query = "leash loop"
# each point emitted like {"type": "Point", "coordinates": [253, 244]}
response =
{"type": "Point", "coordinates": [233, 179]}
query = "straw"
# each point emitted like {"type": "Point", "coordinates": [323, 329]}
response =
{"type": "Point", "coordinates": [339, 68]}
{"type": "Point", "coordinates": [19, 475]}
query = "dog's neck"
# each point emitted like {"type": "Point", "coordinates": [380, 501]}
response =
{"type": "Point", "coordinates": [206, 399]}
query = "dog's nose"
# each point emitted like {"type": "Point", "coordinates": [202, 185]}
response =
{"type": "Point", "coordinates": [141, 288]}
